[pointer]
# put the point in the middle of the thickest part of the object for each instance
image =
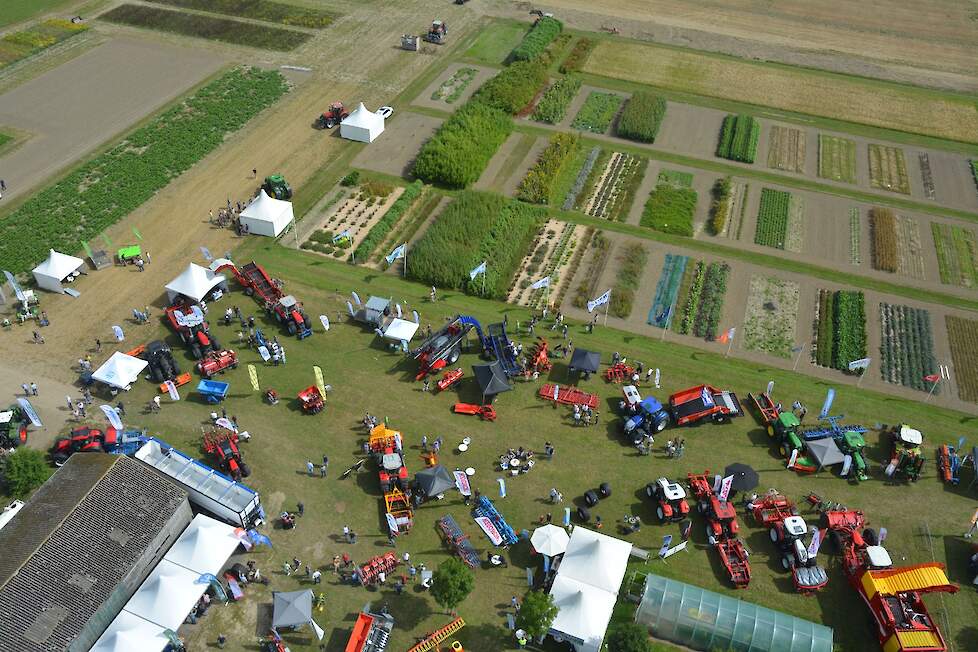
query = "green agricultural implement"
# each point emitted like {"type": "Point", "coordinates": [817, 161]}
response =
{"type": "Point", "coordinates": [276, 186]}
{"type": "Point", "coordinates": [783, 428]}
{"type": "Point", "coordinates": [907, 457]}
{"type": "Point", "coordinates": [852, 444]}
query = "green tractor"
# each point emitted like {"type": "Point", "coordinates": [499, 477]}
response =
{"type": "Point", "coordinates": [783, 427]}
{"type": "Point", "coordinates": [276, 186]}
{"type": "Point", "coordinates": [907, 458]}
{"type": "Point", "coordinates": [852, 444]}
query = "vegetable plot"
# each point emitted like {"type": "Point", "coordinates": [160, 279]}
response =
{"type": "Point", "coordinates": [962, 335]}
{"type": "Point", "coordinates": [786, 151]}
{"type": "Point", "coordinates": [738, 138]}
{"type": "Point", "coordinates": [700, 299]}
{"type": "Point", "coordinates": [272, 12]}
{"type": "Point", "coordinates": [597, 113]}
{"type": "Point", "coordinates": [102, 191]}
{"type": "Point", "coordinates": [17, 45]}
{"type": "Point", "coordinates": [780, 220]}
{"type": "Point", "coordinates": [454, 86]}
{"type": "Point", "coordinates": [772, 310]}
{"type": "Point", "coordinates": [578, 56]}
{"type": "Point", "coordinates": [836, 158]}
{"type": "Point", "coordinates": [957, 254]}
{"type": "Point", "coordinates": [379, 231]}
{"type": "Point", "coordinates": [662, 313]}
{"type": "Point", "coordinates": [840, 329]}
{"type": "Point", "coordinates": [907, 346]}
{"type": "Point", "coordinates": [553, 105]}
{"type": "Point", "coordinates": [670, 209]}
{"type": "Point", "coordinates": [631, 264]}
{"type": "Point", "coordinates": [538, 184]}
{"type": "Point", "coordinates": [897, 245]}
{"type": "Point", "coordinates": [642, 117]}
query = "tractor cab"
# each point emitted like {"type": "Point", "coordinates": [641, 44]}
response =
{"type": "Point", "coordinates": [277, 187]}
{"type": "Point", "coordinates": [795, 527]}
{"type": "Point", "coordinates": [786, 424]}
{"type": "Point", "coordinates": [632, 398]}
{"type": "Point", "coordinates": [852, 444]}
{"type": "Point", "coordinates": [671, 490]}
{"type": "Point", "coordinates": [650, 418]}
{"type": "Point", "coordinates": [909, 438]}
{"type": "Point", "coordinates": [876, 558]}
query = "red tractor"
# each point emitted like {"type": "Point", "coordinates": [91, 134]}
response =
{"type": "Point", "coordinates": [336, 114]}
{"type": "Point", "coordinates": [223, 447]}
{"type": "Point", "coordinates": [187, 319]}
{"type": "Point", "coordinates": [721, 528]}
{"type": "Point", "coordinates": [81, 440]}
{"type": "Point", "coordinates": [311, 400]}
{"type": "Point", "coordinates": [670, 500]}
{"type": "Point", "coordinates": [268, 292]}
{"type": "Point", "coordinates": [215, 362]}
{"type": "Point", "coordinates": [788, 531]}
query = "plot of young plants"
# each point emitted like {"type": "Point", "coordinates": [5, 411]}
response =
{"type": "Point", "coordinates": [609, 187]}
{"type": "Point", "coordinates": [671, 206]}
{"type": "Point", "coordinates": [597, 113]}
{"type": "Point", "coordinates": [888, 169]}
{"type": "Point", "coordinates": [840, 329]}
{"type": "Point", "coordinates": [552, 255]}
{"type": "Point", "coordinates": [906, 346]}
{"type": "Point", "coordinates": [836, 158]}
{"type": "Point", "coordinates": [897, 246]}
{"type": "Point", "coordinates": [957, 254]}
{"type": "Point", "coordinates": [769, 321]}
{"type": "Point", "coordinates": [780, 220]}
{"type": "Point", "coordinates": [699, 302]}
{"type": "Point", "coordinates": [631, 264]}
{"type": "Point", "coordinates": [962, 335]}
{"type": "Point", "coordinates": [553, 105]}
{"type": "Point", "coordinates": [675, 178]}
{"type": "Point", "coordinates": [786, 151]}
{"type": "Point", "coordinates": [453, 87]}
{"type": "Point", "coordinates": [662, 313]}
{"type": "Point", "coordinates": [348, 224]}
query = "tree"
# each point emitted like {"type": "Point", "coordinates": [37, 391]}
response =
{"type": "Point", "coordinates": [629, 637]}
{"type": "Point", "coordinates": [451, 583]}
{"type": "Point", "coordinates": [25, 469]}
{"type": "Point", "coordinates": [536, 614]}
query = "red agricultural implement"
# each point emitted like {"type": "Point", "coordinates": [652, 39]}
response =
{"type": "Point", "coordinates": [449, 378]}
{"type": "Point", "coordinates": [486, 412]}
{"type": "Point", "coordinates": [568, 395]}
{"type": "Point", "coordinates": [216, 362]}
{"type": "Point", "coordinates": [703, 402]}
{"type": "Point", "coordinates": [787, 530]}
{"type": "Point", "coordinates": [370, 571]}
{"type": "Point", "coordinates": [311, 401]}
{"type": "Point", "coordinates": [539, 360]}
{"type": "Point", "coordinates": [223, 447]}
{"type": "Point", "coordinates": [721, 529]}
{"type": "Point", "coordinates": [187, 320]}
{"type": "Point", "coordinates": [283, 307]}
{"type": "Point", "coordinates": [619, 373]}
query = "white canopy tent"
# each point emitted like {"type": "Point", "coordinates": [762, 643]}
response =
{"type": "Point", "coordinates": [362, 125]}
{"type": "Point", "coordinates": [194, 283]}
{"type": "Point", "coordinates": [130, 632]}
{"type": "Point", "coordinates": [167, 595]}
{"type": "Point", "coordinates": [583, 613]}
{"type": "Point", "coordinates": [120, 370]}
{"type": "Point", "coordinates": [267, 215]}
{"type": "Point", "coordinates": [400, 330]}
{"type": "Point", "coordinates": [205, 546]}
{"type": "Point", "coordinates": [596, 559]}
{"type": "Point", "coordinates": [56, 269]}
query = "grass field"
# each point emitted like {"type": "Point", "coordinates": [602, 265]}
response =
{"type": "Point", "coordinates": [494, 44]}
{"type": "Point", "coordinates": [838, 97]}
{"type": "Point", "coordinates": [354, 359]}
{"type": "Point", "coordinates": [836, 158]}
{"type": "Point", "coordinates": [14, 11]}
{"type": "Point", "coordinates": [209, 27]}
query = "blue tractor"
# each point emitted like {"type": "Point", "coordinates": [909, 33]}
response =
{"type": "Point", "coordinates": [643, 417]}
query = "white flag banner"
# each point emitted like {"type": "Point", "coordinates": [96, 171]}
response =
{"type": "Point", "coordinates": [600, 301]}
{"type": "Point", "coordinates": [28, 409]}
{"type": "Point", "coordinates": [859, 364]}
{"type": "Point", "coordinates": [226, 423]}
{"type": "Point", "coordinates": [263, 352]}
{"type": "Point", "coordinates": [117, 331]}
{"type": "Point", "coordinates": [324, 320]}
{"type": "Point", "coordinates": [356, 298]}
{"type": "Point", "coordinates": [542, 283]}
{"type": "Point", "coordinates": [794, 459]}
{"type": "Point", "coordinates": [398, 252]}
{"type": "Point", "coordinates": [172, 389]}
{"type": "Point", "coordinates": [112, 416]}
{"type": "Point", "coordinates": [725, 488]}
{"type": "Point", "coordinates": [816, 542]}
{"type": "Point", "coordinates": [207, 254]}
{"type": "Point", "coordinates": [481, 269]}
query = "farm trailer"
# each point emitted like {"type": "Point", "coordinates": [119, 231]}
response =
{"type": "Point", "coordinates": [283, 307]}
{"type": "Point", "coordinates": [444, 347]}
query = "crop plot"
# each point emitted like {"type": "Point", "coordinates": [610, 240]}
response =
{"type": "Point", "coordinates": [699, 302]}
{"type": "Point", "coordinates": [896, 243]}
{"type": "Point", "coordinates": [663, 308]}
{"type": "Point", "coordinates": [962, 335]}
{"type": "Point", "coordinates": [552, 256]}
{"type": "Point", "coordinates": [17, 45]}
{"type": "Point", "coordinates": [631, 264]}
{"type": "Point", "coordinates": [786, 150]}
{"type": "Point", "coordinates": [855, 237]}
{"type": "Point", "coordinates": [769, 321]}
{"type": "Point", "coordinates": [927, 176]}
{"type": "Point", "coordinates": [888, 169]}
{"type": "Point", "coordinates": [906, 346]}
{"type": "Point", "coordinates": [670, 209]}
{"type": "Point", "coordinates": [348, 224]}
{"type": "Point", "coordinates": [597, 113]}
{"type": "Point", "coordinates": [553, 105]}
{"type": "Point", "coordinates": [780, 220]}
{"type": "Point", "coordinates": [675, 178]}
{"type": "Point", "coordinates": [597, 247]}
{"type": "Point", "coordinates": [973, 163]}
{"type": "Point", "coordinates": [453, 87]}
{"type": "Point", "coordinates": [957, 254]}
{"type": "Point", "coordinates": [840, 329]}
{"type": "Point", "coordinates": [266, 10]}
{"type": "Point", "coordinates": [836, 158]}
{"type": "Point", "coordinates": [611, 184]}
{"type": "Point", "coordinates": [738, 138]}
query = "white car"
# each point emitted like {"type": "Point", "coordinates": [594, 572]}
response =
{"type": "Point", "coordinates": [385, 112]}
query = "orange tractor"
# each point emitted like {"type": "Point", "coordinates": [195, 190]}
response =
{"type": "Point", "coordinates": [336, 114]}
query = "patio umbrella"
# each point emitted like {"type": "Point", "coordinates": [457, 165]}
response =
{"type": "Point", "coordinates": [549, 540]}
{"type": "Point", "coordinates": [826, 452]}
{"type": "Point", "coordinates": [744, 477]}
{"type": "Point", "coordinates": [434, 480]}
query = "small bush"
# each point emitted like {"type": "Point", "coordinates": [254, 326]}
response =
{"type": "Point", "coordinates": [537, 39]}
{"type": "Point", "coordinates": [642, 117]}
{"type": "Point", "coordinates": [351, 179]}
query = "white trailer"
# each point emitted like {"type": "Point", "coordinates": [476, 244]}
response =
{"type": "Point", "coordinates": [210, 490]}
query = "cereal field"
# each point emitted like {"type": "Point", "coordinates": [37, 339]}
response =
{"type": "Point", "coordinates": [888, 169]}
{"type": "Point", "coordinates": [780, 220]}
{"type": "Point", "coordinates": [962, 335]}
{"type": "Point", "coordinates": [896, 243]}
{"type": "Point", "coordinates": [957, 254]}
{"type": "Point", "coordinates": [772, 310]}
{"type": "Point", "coordinates": [836, 158]}
{"type": "Point", "coordinates": [786, 150]}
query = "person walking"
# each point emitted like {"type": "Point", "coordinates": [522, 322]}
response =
{"type": "Point", "coordinates": [302, 508]}
{"type": "Point", "coordinates": [38, 338]}
{"type": "Point", "coordinates": [424, 438]}
{"type": "Point", "coordinates": [254, 173]}
{"type": "Point", "coordinates": [221, 641]}
{"type": "Point", "coordinates": [87, 395]}
{"type": "Point", "coordinates": [81, 409]}
{"type": "Point", "coordinates": [322, 471]}
{"type": "Point", "coordinates": [317, 576]}
{"type": "Point", "coordinates": [156, 403]}
{"type": "Point", "coordinates": [310, 468]}
{"type": "Point", "coordinates": [296, 564]}
{"type": "Point", "coordinates": [346, 533]}
{"type": "Point", "coordinates": [26, 388]}
{"type": "Point", "coordinates": [426, 385]}
{"type": "Point", "coordinates": [336, 564]}
{"type": "Point", "coordinates": [71, 404]}
{"type": "Point", "coordinates": [120, 407]}
{"type": "Point", "coordinates": [287, 568]}
{"type": "Point", "coordinates": [98, 345]}
{"type": "Point", "coordinates": [515, 603]}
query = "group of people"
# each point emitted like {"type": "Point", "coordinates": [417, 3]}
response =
{"type": "Point", "coordinates": [584, 415]}
{"type": "Point", "coordinates": [519, 460]}
{"type": "Point", "coordinates": [230, 216]}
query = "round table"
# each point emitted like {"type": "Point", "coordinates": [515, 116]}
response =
{"type": "Point", "coordinates": [467, 441]}
{"type": "Point", "coordinates": [470, 471]}
{"type": "Point", "coordinates": [463, 447]}
{"type": "Point", "coordinates": [515, 461]}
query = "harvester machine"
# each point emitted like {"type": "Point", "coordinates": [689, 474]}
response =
{"type": "Point", "coordinates": [438, 33]}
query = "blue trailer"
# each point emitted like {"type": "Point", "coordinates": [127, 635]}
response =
{"type": "Point", "coordinates": [213, 391]}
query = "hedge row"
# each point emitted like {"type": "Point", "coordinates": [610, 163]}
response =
{"type": "Point", "coordinates": [552, 107]}
{"type": "Point", "coordinates": [537, 186]}
{"type": "Point", "coordinates": [462, 147]}
{"type": "Point", "coordinates": [537, 39]}
{"type": "Point", "coordinates": [380, 230]}
{"type": "Point", "coordinates": [515, 86]}
{"type": "Point", "coordinates": [476, 227]}
{"type": "Point", "coordinates": [720, 205]}
{"type": "Point", "coordinates": [642, 117]}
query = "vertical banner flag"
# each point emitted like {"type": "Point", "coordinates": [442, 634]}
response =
{"type": "Point", "coordinates": [480, 269]}
{"type": "Point", "coordinates": [207, 254]}
{"type": "Point", "coordinates": [112, 416]}
{"type": "Point", "coordinates": [882, 535]}
{"type": "Point", "coordinates": [135, 232]}
{"type": "Point", "coordinates": [320, 383]}
{"type": "Point", "coordinates": [391, 523]}
{"type": "Point", "coordinates": [117, 331]}
{"type": "Point", "coordinates": [770, 387]}
{"type": "Point", "coordinates": [253, 375]}
{"type": "Point", "coordinates": [172, 390]}
{"type": "Point", "coordinates": [28, 409]}
{"type": "Point", "coordinates": [658, 377]}
{"type": "Point", "coordinates": [462, 483]}
{"type": "Point", "coordinates": [816, 542]}
{"type": "Point", "coordinates": [725, 488]}
{"type": "Point", "coordinates": [502, 487]}
{"type": "Point", "coordinates": [717, 479]}
{"type": "Point", "coordinates": [727, 336]}
{"type": "Point", "coordinates": [356, 298]}
{"type": "Point", "coordinates": [794, 458]}
{"type": "Point", "coordinates": [666, 542]}
{"type": "Point", "coordinates": [862, 363]}
{"type": "Point", "coordinates": [556, 392]}
{"type": "Point", "coordinates": [349, 309]}
{"type": "Point", "coordinates": [567, 514]}
{"type": "Point", "coordinates": [600, 301]}
{"type": "Point", "coordinates": [684, 529]}
{"type": "Point", "coordinates": [542, 283]}
{"type": "Point", "coordinates": [324, 320]}
{"type": "Point", "coordinates": [827, 405]}
{"type": "Point", "coordinates": [263, 352]}
{"type": "Point", "coordinates": [88, 250]}
{"type": "Point", "coordinates": [932, 378]}
{"type": "Point", "coordinates": [14, 286]}
{"type": "Point", "coordinates": [398, 252]}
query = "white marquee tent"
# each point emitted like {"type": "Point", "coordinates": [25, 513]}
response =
{"type": "Point", "coordinates": [56, 269]}
{"type": "Point", "coordinates": [120, 370]}
{"type": "Point", "coordinates": [195, 283]}
{"type": "Point", "coordinates": [267, 215]}
{"type": "Point", "coordinates": [167, 595]}
{"type": "Point", "coordinates": [595, 559]}
{"type": "Point", "coordinates": [583, 612]}
{"type": "Point", "coordinates": [362, 125]}
{"type": "Point", "coordinates": [130, 632]}
{"type": "Point", "coordinates": [205, 546]}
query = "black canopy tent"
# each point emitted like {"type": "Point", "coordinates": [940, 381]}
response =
{"type": "Point", "coordinates": [434, 480]}
{"type": "Point", "coordinates": [584, 361]}
{"type": "Point", "coordinates": [492, 380]}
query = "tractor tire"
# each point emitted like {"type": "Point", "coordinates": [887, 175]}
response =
{"type": "Point", "coordinates": [604, 490]}
{"type": "Point", "coordinates": [278, 315]}
{"type": "Point", "coordinates": [195, 351]}
{"type": "Point", "coordinates": [245, 471]}
{"type": "Point", "coordinates": [836, 539]}
{"type": "Point", "coordinates": [770, 431]}
{"type": "Point", "coordinates": [701, 507]}
{"type": "Point", "coordinates": [775, 534]}
{"type": "Point", "coordinates": [660, 514]}
{"type": "Point", "coordinates": [784, 451]}
{"type": "Point", "coordinates": [156, 374]}
{"type": "Point", "coordinates": [660, 425]}
{"type": "Point", "coordinates": [292, 328]}
{"type": "Point", "coordinates": [453, 356]}
{"type": "Point", "coordinates": [167, 369]}
{"type": "Point", "coordinates": [583, 514]}
{"type": "Point", "coordinates": [214, 345]}
{"type": "Point", "coordinates": [590, 498]}
{"type": "Point", "coordinates": [59, 459]}
{"type": "Point", "coordinates": [871, 537]}
{"type": "Point", "coordinates": [785, 563]}
{"type": "Point", "coordinates": [650, 490]}
{"type": "Point", "coordinates": [249, 291]}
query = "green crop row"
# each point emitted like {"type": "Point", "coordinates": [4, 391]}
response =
{"type": "Point", "coordinates": [642, 117]}
{"type": "Point", "coordinates": [675, 178]}
{"type": "Point", "coordinates": [537, 39]}
{"type": "Point", "coordinates": [17, 45]}
{"type": "Point", "coordinates": [772, 218]}
{"type": "Point", "coordinates": [597, 113]}
{"type": "Point", "coordinates": [957, 254]}
{"type": "Point", "coordinates": [720, 206]}
{"type": "Point", "coordinates": [515, 86]}
{"type": "Point", "coordinates": [670, 210]}
{"type": "Point", "coordinates": [226, 30]}
{"type": "Point", "coordinates": [462, 147]}
{"type": "Point", "coordinates": [553, 105]}
{"type": "Point", "coordinates": [667, 290]}
{"type": "Point", "coordinates": [379, 231]}
{"type": "Point", "coordinates": [849, 328]}
{"type": "Point", "coordinates": [631, 264]}
{"type": "Point", "coordinates": [105, 189]}
{"type": "Point", "coordinates": [476, 227]}
{"type": "Point", "coordinates": [738, 138]}
{"type": "Point", "coordinates": [688, 298]}
{"type": "Point", "coordinates": [711, 301]}
{"type": "Point", "coordinates": [273, 12]}
{"type": "Point", "coordinates": [578, 56]}
{"type": "Point", "coordinates": [537, 187]}
{"type": "Point", "coordinates": [907, 346]}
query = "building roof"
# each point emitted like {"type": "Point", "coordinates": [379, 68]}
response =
{"type": "Point", "coordinates": [73, 542]}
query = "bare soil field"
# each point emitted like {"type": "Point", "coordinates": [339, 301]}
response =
{"type": "Point", "coordinates": [394, 151]}
{"type": "Point", "coordinates": [77, 106]}
{"type": "Point", "coordinates": [836, 97]}
{"type": "Point", "coordinates": [426, 99]}
{"type": "Point", "coordinates": [929, 44]}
